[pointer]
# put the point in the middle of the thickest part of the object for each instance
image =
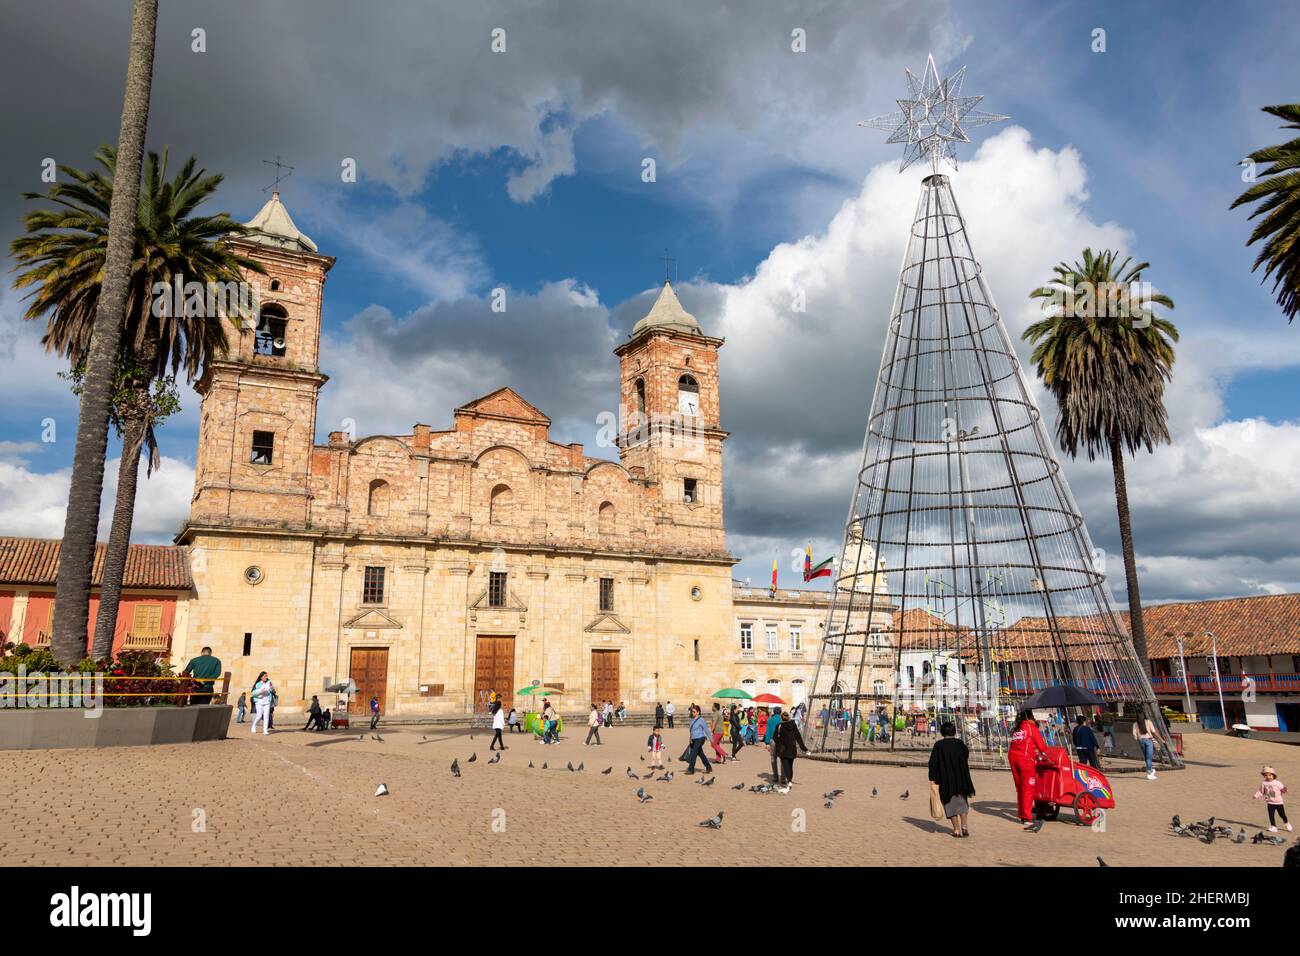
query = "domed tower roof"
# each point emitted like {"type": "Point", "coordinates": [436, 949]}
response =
{"type": "Point", "coordinates": [667, 313]}
{"type": "Point", "coordinates": [274, 227]}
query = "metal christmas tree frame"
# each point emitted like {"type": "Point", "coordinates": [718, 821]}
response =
{"type": "Point", "coordinates": [968, 580]}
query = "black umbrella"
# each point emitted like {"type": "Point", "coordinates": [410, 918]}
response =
{"type": "Point", "coordinates": [1061, 695]}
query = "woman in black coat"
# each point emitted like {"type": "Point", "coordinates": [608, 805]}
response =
{"type": "Point", "coordinates": [950, 769]}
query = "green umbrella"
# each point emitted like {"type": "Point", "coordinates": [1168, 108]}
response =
{"type": "Point", "coordinates": [536, 690]}
{"type": "Point", "coordinates": [733, 692]}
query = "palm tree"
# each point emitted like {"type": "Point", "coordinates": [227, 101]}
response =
{"type": "Point", "coordinates": [72, 588]}
{"type": "Point", "coordinates": [63, 254]}
{"type": "Point", "coordinates": [1106, 357]}
{"type": "Point", "coordinates": [1280, 200]}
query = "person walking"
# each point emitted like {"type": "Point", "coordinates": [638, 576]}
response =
{"type": "Point", "coordinates": [734, 721]}
{"type": "Point", "coordinates": [659, 714]}
{"type": "Point", "coordinates": [498, 728]}
{"type": "Point", "coordinates": [715, 732]}
{"type": "Point", "coordinates": [241, 707]}
{"type": "Point", "coordinates": [313, 713]}
{"type": "Point", "coordinates": [950, 772]}
{"type": "Point", "coordinates": [769, 731]}
{"type": "Point", "coordinates": [261, 697]}
{"type": "Point", "coordinates": [1085, 742]}
{"type": "Point", "coordinates": [374, 712]}
{"type": "Point", "coordinates": [668, 712]}
{"type": "Point", "coordinates": [654, 745]}
{"type": "Point", "coordinates": [550, 724]}
{"type": "Point", "coordinates": [699, 734]}
{"type": "Point", "coordinates": [593, 726]}
{"type": "Point", "coordinates": [787, 742]}
{"type": "Point", "coordinates": [1145, 733]}
{"type": "Point", "coordinates": [1271, 790]}
{"type": "Point", "coordinates": [1026, 745]}
{"type": "Point", "coordinates": [609, 713]}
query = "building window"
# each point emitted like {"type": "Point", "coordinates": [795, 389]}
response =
{"type": "Point", "coordinates": [749, 686]}
{"type": "Point", "coordinates": [689, 493]}
{"type": "Point", "coordinates": [248, 644]}
{"type": "Point", "coordinates": [697, 649]}
{"type": "Point", "coordinates": [499, 507]}
{"type": "Point", "coordinates": [605, 519]}
{"type": "Point", "coordinates": [747, 638]}
{"type": "Point", "coordinates": [796, 639]}
{"type": "Point", "coordinates": [607, 594]}
{"type": "Point", "coordinates": [263, 451]}
{"type": "Point", "coordinates": [269, 337]}
{"type": "Point", "coordinates": [496, 589]}
{"type": "Point", "coordinates": [774, 687]}
{"type": "Point", "coordinates": [911, 675]}
{"type": "Point", "coordinates": [372, 586]}
{"type": "Point", "coordinates": [146, 620]}
{"type": "Point", "coordinates": [377, 503]}
{"type": "Point", "coordinates": [772, 644]}
{"type": "Point", "coordinates": [878, 688]}
{"type": "Point", "coordinates": [688, 395]}
{"type": "Point", "coordinates": [640, 396]}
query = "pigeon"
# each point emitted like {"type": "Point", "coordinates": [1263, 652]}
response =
{"type": "Point", "coordinates": [832, 794]}
{"type": "Point", "coordinates": [377, 737]}
{"type": "Point", "coordinates": [643, 758]}
{"type": "Point", "coordinates": [873, 792]}
{"type": "Point", "coordinates": [581, 767]}
{"type": "Point", "coordinates": [739, 786]}
{"type": "Point", "coordinates": [642, 795]}
{"type": "Point", "coordinates": [544, 767]}
{"type": "Point", "coordinates": [381, 790]}
{"type": "Point", "coordinates": [905, 794]}
{"type": "Point", "coordinates": [455, 768]}
{"type": "Point", "coordinates": [630, 774]}
{"type": "Point", "coordinates": [1101, 862]}
{"type": "Point", "coordinates": [708, 783]}
{"type": "Point", "coordinates": [606, 772]}
{"type": "Point", "coordinates": [569, 766]}
{"type": "Point", "coordinates": [496, 758]}
{"type": "Point", "coordinates": [361, 736]}
{"type": "Point", "coordinates": [1177, 822]}
{"type": "Point", "coordinates": [714, 822]}
{"type": "Point", "coordinates": [648, 775]}
{"type": "Point", "coordinates": [1209, 836]}
{"type": "Point", "coordinates": [761, 788]}
{"type": "Point", "coordinates": [530, 765]}
{"type": "Point", "coordinates": [1240, 837]}
{"type": "Point", "coordinates": [423, 737]}
{"type": "Point", "coordinates": [829, 804]}
{"type": "Point", "coordinates": [472, 757]}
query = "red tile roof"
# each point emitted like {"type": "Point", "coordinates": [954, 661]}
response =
{"type": "Point", "coordinates": [1242, 627]}
{"type": "Point", "coordinates": [29, 561]}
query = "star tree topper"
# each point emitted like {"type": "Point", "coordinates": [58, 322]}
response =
{"type": "Point", "coordinates": [933, 118]}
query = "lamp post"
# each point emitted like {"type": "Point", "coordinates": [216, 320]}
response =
{"type": "Point", "coordinates": [1214, 650]}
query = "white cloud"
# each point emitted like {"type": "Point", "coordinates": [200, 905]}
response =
{"type": "Point", "coordinates": [34, 503]}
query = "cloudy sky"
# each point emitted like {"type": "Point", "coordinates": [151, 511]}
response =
{"type": "Point", "coordinates": [522, 170]}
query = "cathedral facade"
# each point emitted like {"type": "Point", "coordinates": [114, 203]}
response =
{"type": "Point", "coordinates": [437, 565]}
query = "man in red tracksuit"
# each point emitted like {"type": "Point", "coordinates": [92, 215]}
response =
{"type": "Point", "coordinates": [1026, 744]}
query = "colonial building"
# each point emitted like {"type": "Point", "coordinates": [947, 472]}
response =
{"type": "Point", "coordinates": [436, 565]}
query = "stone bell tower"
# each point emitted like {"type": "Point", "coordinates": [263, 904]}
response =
{"type": "Point", "coordinates": [670, 422]}
{"type": "Point", "coordinates": [258, 413]}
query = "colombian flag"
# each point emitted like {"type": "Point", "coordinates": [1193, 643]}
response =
{"type": "Point", "coordinates": [822, 570]}
{"type": "Point", "coordinates": [774, 575]}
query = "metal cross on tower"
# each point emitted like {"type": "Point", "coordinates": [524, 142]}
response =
{"type": "Point", "coordinates": [279, 177]}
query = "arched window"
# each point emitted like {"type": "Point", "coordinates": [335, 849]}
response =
{"type": "Point", "coordinates": [749, 686]}
{"type": "Point", "coordinates": [878, 688]}
{"type": "Point", "coordinates": [605, 519]}
{"type": "Point", "coordinates": [688, 395]}
{"type": "Point", "coordinates": [774, 687]}
{"type": "Point", "coordinates": [501, 505]}
{"type": "Point", "coordinates": [272, 322]}
{"type": "Point", "coordinates": [377, 503]}
{"type": "Point", "coordinates": [640, 396]}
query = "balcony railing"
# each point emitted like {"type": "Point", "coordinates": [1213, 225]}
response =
{"type": "Point", "coordinates": [146, 642]}
{"type": "Point", "coordinates": [1232, 683]}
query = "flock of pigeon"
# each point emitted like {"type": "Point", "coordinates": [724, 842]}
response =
{"type": "Point", "coordinates": [1207, 831]}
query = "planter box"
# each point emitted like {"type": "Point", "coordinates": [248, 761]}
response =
{"type": "Point", "coordinates": [56, 729]}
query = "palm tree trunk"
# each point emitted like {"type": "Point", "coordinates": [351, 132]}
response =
{"type": "Point", "coordinates": [72, 590]}
{"type": "Point", "coordinates": [1130, 564]}
{"type": "Point", "coordinates": [119, 537]}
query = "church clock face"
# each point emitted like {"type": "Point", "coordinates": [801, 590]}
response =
{"type": "Point", "coordinates": [688, 403]}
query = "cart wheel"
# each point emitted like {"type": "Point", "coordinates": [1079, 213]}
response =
{"type": "Point", "coordinates": [1085, 808]}
{"type": "Point", "coordinates": [1048, 811]}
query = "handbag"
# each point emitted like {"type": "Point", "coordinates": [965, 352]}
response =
{"type": "Point", "coordinates": [936, 804]}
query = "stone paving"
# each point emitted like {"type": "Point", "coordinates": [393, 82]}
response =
{"type": "Point", "coordinates": [293, 798]}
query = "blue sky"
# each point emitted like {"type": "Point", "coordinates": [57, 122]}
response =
{"type": "Point", "coordinates": [755, 149]}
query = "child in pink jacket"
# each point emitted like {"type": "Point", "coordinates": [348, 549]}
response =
{"type": "Point", "coordinates": [1272, 789]}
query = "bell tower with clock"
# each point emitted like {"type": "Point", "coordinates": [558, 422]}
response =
{"type": "Point", "coordinates": [670, 420]}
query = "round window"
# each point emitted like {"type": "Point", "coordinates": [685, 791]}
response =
{"type": "Point", "coordinates": [696, 593]}
{"type": "Point", "coordinates": [253, 574]}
